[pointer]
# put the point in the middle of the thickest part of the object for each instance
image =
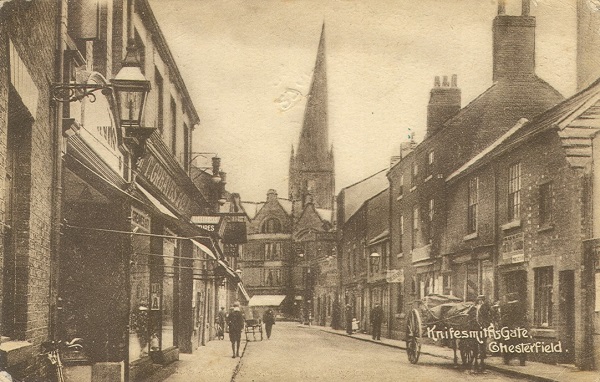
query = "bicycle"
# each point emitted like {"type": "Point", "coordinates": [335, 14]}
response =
{"type": "Point", "coordinates": [52, 350]}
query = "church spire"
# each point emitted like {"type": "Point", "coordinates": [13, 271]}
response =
{"type": "Point", "coordinates": [313, 145]}
{"type": "Point", "coordinates": [312, 170]}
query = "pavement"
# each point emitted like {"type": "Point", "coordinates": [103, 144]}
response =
{"type": "Point", "coordinates": [533, 371]}
{"type": "Point", "coordinates": [210, 363]}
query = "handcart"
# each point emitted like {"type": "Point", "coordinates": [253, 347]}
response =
{"type": "Point", "coordinates": [254, 327]}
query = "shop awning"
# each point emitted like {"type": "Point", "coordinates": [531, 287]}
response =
{"type": "Point", "coordinates": [229, 271]}
{"type": "Point", "coordinates": [204, 249]}
{"type": "Point", "coordinates": [243, 290]}
{"type": "Point", "coordinates": [161, 207]}
{"type": "Point", "coordinates": [266, 300]}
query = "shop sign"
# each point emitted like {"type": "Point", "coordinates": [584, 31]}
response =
{"type": "Point", "coordinates": [395, 276]}
{"type": "Point", "coordinates": [158, 176]}
{"type": "Point", "coordinates": [517, 258]}
{"type": "Point", "coordinates": [512, 248]}
{"type": "Point", "coordinates": [207, 223]}
{"type": "Point", "coordinates": [140, 219]}
{"type": "Point", "coordinates": [99, 131]}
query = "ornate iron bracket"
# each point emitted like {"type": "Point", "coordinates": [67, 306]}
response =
{"type": "Point", "coordinates": [76, 92]}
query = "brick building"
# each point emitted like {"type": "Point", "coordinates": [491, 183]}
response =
{"type": "Point", "coordinates": [96, 220]}
{"type": "Point", "coordinates": [29, 145]}
{"type": "Point", "coordinates": [418, 192]}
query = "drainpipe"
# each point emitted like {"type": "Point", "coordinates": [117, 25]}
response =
{"type": "Point", "coordinates": [57, 169]}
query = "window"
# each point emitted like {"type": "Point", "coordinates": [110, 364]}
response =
{"type": "Point", "coordinates": [473, 203]}
{"type": "Point", "coordinates": [430, 160]}
{"type": "Point", "coordinates": [401, 230]}
{"type": "Point", "coordinates": [401, 186]}
{"type": "Point", "coordinates": [414, 172]}
{"type": "Point", "coordinates": [173, 127]}
{"type": "Point", "coordinates": [415, 226]}
{"type": "Point", "coordinates": [545, 201]}
{"type": "Point", "coordinates": [271, 225]}
{"type": "Point", "coordinates": [542, 309]}
{"type": "Point", "coordinates": [514, 192]}
{"type": "Point", "coordinates": [160, 94]}
{"type": "Point", "coordinates": [272, 251]}
{"type": "Point", "coordinates": [186, 147]}
{"type": "Point", "coordinates": [431, 214]}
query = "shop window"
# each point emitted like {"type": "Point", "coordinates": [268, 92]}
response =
{"type": "Point", "coordinates": [400, 298]}
{"type": "Point", "coordinates": [271, 225]}
{"type": "Point", "coordinates": [542, 308]}
{"type": "Point", "coordinates": [170, 250]}
{"type": "Point", "coordinates": [473, 204]}
{"type": "Point", "coordinates": [514, 192]}
{"type": "Point", "coordinates": [447, 284]}
{"type": "Point", "coordinates": [545, 203]}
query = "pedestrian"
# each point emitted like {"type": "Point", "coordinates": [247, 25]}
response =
{"type": "Point", "coordinates": [269, 320]}
{"type": "Point", "coordinates": [355, 324]}
{"type": "Point", "coordinates": [349, 315]}
{"type": "Point", "coordinates": [376, 320]}
{"type": "Point", "coordinates": [235, 322]}
{"type": "Point", "coordinates": [221, 319]}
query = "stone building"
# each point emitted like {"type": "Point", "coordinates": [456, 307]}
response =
{"type": "Point", "coordinates": [287, 238]}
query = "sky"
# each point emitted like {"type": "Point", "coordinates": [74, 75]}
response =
{"type": "Point", "coordinates": [248, 66]}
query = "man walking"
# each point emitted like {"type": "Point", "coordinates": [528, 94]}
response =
{"type": "Point", "coordinates": [376, 320]}
{"type": "Point", "coordinates": [236, 321]}
{"type": "Point", "coordinates": [269, 320]}
{"type": "Point", "coordinates": [349, 315]}
{"type": "Point", "coordinates": [221, 317]}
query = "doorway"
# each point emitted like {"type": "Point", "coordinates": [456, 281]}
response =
{"type": "Point", "coordinates": [566, 311]}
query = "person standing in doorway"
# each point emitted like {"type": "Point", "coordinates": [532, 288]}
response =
{"type": "Point", "coordinates": [376, 320]}
{"type": "Point", "coordinates": [269, 320]}
{"type": "Point", "coordinates": [221, 319]}
{"type": "Point", "coordinates": [235, 321]}
{"type": "Point", "coordinates": [349, 313]}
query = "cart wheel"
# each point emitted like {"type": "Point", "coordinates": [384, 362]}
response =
{"type": "Point", "coordinates": [466, 352]}
{"type": "Point", "coordinates": [413, 336]}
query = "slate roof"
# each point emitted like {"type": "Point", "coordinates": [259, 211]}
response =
{"type": "Point", "coordinates": [356, 194]}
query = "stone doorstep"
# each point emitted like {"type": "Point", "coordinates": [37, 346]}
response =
{"type": "Point", "coordinates": [15, 352]}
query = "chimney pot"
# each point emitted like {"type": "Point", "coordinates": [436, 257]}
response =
{"type": "Point", "coordinates": [526, 7]}
{"type": "Point", "coordinates": [446, 84]}
{"type": "Point", "coordinates": [501, 7]}
{"type": "Point", "coordinates": [454, 81]}
{"type": "Point", "coordinates": [436, 82]}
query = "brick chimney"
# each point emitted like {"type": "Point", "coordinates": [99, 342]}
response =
{"type": "Point", "coordinates": [444, 102]}
{"type": "Point", "coordinates": [514, 43]}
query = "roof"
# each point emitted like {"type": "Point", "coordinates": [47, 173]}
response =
{"type": "Point", "coordinates": [252, 208]}
{"type": "Point", "coordinates": [356, 194]}
{"type": "Point", "coordinates": [497, 109]}
{"type": "Point", "coordinates": [266, 300]}
{"type": "Point", "coordinates": [576, 118]}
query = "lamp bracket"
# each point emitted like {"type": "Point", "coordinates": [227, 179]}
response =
{"type": "Point", "coordinates": [65, 93]}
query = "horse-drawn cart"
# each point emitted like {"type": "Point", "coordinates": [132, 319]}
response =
{"type": "Point", "coordinates": [448, 318]}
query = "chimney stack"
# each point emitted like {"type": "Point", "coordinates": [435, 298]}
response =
{"type": "Point", "coordinates": [271, 195]}
{"type": "Point", "coordinates": [514, 43]}
{"type": "Point", "coordinates": [444, 103]}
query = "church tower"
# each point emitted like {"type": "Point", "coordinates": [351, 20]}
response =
{"type": "Point", "coordinates": [312, 173]}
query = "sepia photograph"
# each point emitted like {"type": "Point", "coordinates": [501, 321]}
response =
{"type": "Point", "coordinates": [299, 190]}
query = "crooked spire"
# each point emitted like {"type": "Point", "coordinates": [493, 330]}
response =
{"type": "Point", "coordinates": [313, 145]}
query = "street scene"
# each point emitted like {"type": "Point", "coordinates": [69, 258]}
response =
{"type": "Point", "coordinates": [299, 190]}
